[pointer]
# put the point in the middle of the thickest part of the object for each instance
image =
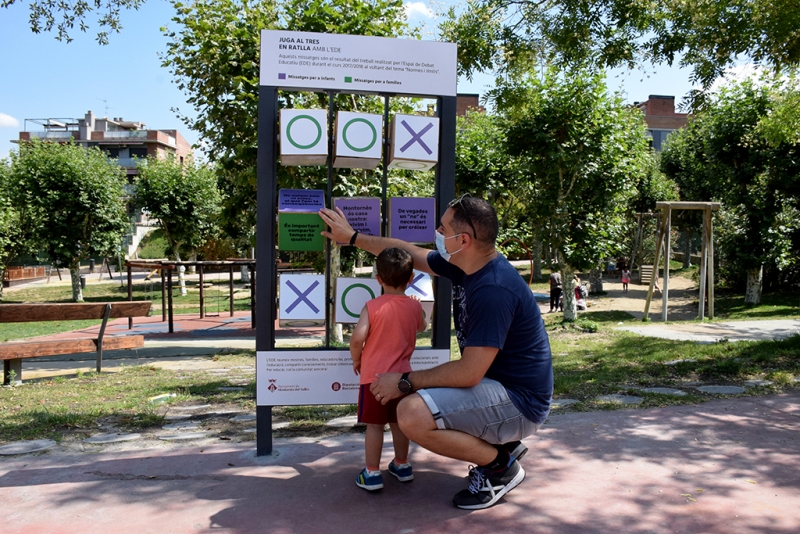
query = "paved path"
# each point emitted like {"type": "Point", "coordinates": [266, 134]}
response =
{"type": "Point", "coordinates": [726, 466]}
{"type": "Point", "coordinates": [713, 332]}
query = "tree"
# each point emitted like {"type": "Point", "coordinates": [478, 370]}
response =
{"type": "Point", "coordinates": [584, 151]}
{"type": "Point", "coordinates": [214, 55]}
{"type": "Point", "coordinates": [709, 36]}
{"type": "Point", "coordinates": [183, 197]}
{"type": "Point", "coordinates": [75, 202]}
{"type": "Point", "coordinates": [723, 155]}
{"type": "Point", "coordinates": [64, 15]}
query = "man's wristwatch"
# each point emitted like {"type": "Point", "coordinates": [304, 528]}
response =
{"type": "Point", "coordinates": [404, 385]}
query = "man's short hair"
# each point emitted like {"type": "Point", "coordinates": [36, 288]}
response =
{"type": "Point", "coordinates": [476, 217]}
{"type": "Point", "coordinates": [395, 266]}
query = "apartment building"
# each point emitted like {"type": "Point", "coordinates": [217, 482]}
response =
{"type": "Point", "coordinates": [659, 114]}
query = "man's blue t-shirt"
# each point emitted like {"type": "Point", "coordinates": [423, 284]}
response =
{"type": "Point", "coordinates": [495, 308]}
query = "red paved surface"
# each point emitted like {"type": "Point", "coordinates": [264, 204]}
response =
{"type": "Point", "coordinates": [189, 326]}
{"type": "Point", "coordinates": [726, 466]}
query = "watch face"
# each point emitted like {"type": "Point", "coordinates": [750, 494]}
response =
{"type": "Point", "coordinates": [404, 386]}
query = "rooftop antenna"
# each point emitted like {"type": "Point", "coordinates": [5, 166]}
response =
{"type": "Point", "coordinates": [106, 106]}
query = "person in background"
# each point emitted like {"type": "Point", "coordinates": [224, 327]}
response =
{"type": "Point", "coordinates": [626, 279]}
{"type": "Point", "coordinates": [555, 291]}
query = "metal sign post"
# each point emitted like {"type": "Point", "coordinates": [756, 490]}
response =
{"type": "Point", "coordinates": [304, 61]}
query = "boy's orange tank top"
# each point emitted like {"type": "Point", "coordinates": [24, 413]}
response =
{"type": "Point", "coordinates": [393, 324]}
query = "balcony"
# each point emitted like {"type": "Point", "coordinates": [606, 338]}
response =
{"type": "Point", "coordinates": [66, 136]}
{"type": "Point", "coordinates": [126, 134]}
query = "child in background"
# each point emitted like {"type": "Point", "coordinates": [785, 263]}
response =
{"type": "Point", "coordinates": [382, 342]}
{"type": "Point", "coordinates": [626, 279]}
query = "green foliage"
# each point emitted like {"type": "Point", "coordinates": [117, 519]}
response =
{"type": "Point", "coordinates": [63, 16]}
{"type": "Point", "coordinates": [582, 152]}
{"type": "Point", "coordinates": [73, 198]}
{"type": "Point", "coordinates": [154, 246]}
{"type": "Point", "coordinates": [723, 156]}
{"type": "Point", "coordinates": [506, 36]}
{"type": "Point", "coordinates": [653, 186]}
{"type": "Point", "coordinates": [183, 197]}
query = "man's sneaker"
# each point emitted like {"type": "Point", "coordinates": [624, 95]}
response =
{"type": "Point", "coordinates": [486, 487]}
{"type": "Point", "coordinates": [516, 449]}
{"type": "Point", "coordinates": [403, 474]}
{"type": "Point", "coordinates": [369, 482]}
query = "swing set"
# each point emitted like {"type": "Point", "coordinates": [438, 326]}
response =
{"type": "Point", "coordinates": [706, 255]}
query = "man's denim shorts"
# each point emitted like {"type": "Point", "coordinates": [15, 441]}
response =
{"type": "Point", "coordinates": [484, 411]}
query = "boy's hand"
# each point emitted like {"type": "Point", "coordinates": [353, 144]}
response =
{"type": "Point", "coordinates": [415, 297]}
{"type": "Point", "coordinates": [357, 367]}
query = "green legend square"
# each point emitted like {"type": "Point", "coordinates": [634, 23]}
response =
{"type": "Point", "coordinates": [348, 79]}
{"type": "Point", "coordinates": [300, 231]}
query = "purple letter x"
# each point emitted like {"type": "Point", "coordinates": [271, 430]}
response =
{"type": "Point", "coordinates": [416, 137]}
{"type": "Point", "coordinates": [302, 295]}
{"type": "Point", "coordinates": [417, 279]}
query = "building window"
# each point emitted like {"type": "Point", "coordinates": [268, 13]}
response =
{"type": "Point", "coordinates": [139, 152]}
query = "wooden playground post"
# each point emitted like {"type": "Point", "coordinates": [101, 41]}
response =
{"type": "Point", "coordinates": [706, 255]}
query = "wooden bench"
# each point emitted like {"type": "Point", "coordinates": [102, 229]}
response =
{"type": "Point", "coordinates": [13, 352]}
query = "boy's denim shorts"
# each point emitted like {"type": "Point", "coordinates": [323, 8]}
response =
{"type": "Point", "coordinates": [484, 411]}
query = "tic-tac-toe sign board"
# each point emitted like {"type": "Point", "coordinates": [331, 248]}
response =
{"type": "Point", "coordinates": [351, 296]}
{"type": "Point", "coordinates": [386, 68]}
{"type": "Point", "coordinates": [415, 142]}
{"type": "Point", "coordinates": [304, 136]}
{"type": "Point", "coordinates": [302, 300]}
{"type": "Point", "coordinates": [421, 287]}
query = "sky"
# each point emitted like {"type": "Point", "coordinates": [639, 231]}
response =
{"type": "Point", "coordinates": [41, 77]}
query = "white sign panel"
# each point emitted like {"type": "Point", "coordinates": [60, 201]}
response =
{"type": "Point", "coordinates": [415, 142]}
{"type": "Point", "coordinates": [357, 63]}
{"type": "Point", "coordinates": [291, 378]}
{"type": "Point", "coordinates": [359, 134]}
{"type": "Point", "coordinates": [421, 286]}
{"type": "Point", "coordinates": [302, 299]}
{"type": "Point", "coordinates": [351, 296]}
{"type": "Point", "coordinates": [304, 132]}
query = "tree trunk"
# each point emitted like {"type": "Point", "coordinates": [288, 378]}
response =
{"type": "Point", "coordinates": [193, 257]}
{"type": "Point", "coordinates": [687, 248]}
{"type": "Point", "coordinates": [570, 309]}
{"type": "Point", "coordinates": [2, 276]}
{"type": "Point", "coordinates": [181, 271]}
{"type": "Point", "coordinates": [752, 293]}
{"type": "Point", "coordinates": [336, 272]}
{"type": "Point", "coordinates": [596, 280]}
{"type": "Point", "coordinates": [245, 274]}
{"type": "Point", "coordinates": [75, 276]}
{"type": "Point", "coordinates": [537, 259]}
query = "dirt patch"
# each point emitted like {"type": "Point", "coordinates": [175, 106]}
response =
{"type": "Point", "coordinates": [682, 304]}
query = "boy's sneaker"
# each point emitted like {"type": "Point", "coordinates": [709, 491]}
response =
{"type": "Point", "coordinates": [486, 487]}
{"type": "Point", "coordinates": [403, 473]}
{"type": "Point", "coordinates": [369, 482]}
{"type": "Point", "coordinates": [516, 449]}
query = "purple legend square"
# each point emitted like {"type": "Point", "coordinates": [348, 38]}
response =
{"type": "Point", "coordinates": [281, 75]}
{"type": "Point", "coordinates": [363, 213]}
{"type": "Point", "coordinates": [412, 219]}
{"type": "Point", "coordinates": [301, 200]}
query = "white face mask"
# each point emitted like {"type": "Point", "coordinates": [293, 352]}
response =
{"type": "Point", "coordinates": [439, 239]}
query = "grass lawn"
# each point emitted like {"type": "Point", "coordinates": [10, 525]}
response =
{"type": "Point", "coordinates": [590, 359]}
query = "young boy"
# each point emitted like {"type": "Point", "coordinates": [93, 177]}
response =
{"type": "Point", "coordinates": [382, 342]}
